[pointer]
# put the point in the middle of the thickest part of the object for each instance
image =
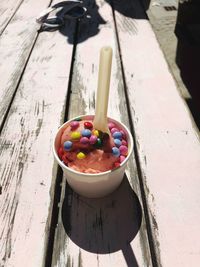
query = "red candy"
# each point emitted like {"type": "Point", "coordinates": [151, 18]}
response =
{"type": "Point", "coordinates": [88, 125]}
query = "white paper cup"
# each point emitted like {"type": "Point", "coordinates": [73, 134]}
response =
{"type": "Point", "coordinates": [93, 185]}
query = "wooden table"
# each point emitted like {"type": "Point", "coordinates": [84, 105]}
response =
{"type": "Point", "coordinates": [153, 218]}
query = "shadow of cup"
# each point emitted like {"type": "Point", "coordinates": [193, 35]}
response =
{"type": "Point", "coordinates": [103, 225]}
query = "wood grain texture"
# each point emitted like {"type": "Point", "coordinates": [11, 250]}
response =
{"type": "Point", "coordinates": [15, 47]}
{"type": "Point", "coordinates": [7, 10]}
{"type": "Point", "coordinates": [27, 169]}
{"type": "Point", "coordinates": [109, 231]}
{"type": "Point", "coordinates": [168, 145]}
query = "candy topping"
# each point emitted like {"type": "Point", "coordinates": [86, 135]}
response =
{"type": "Point", "coordinates": [67, 145]}
{"type": "Point", "coordinates": [78, 119]}
{"type": "Point", "coordinates": [115, 151]}
{"type": "Point", "coordinates": [75, 135]}
{"type": "Point", "coordinates": [123, 134]}
{"type": "Point", "coordinates": [86, 133]}
{"type": "Point", "coordinates": [123, 150]}
{"type": "Point", "coordinates": [111, 125]}
{"type": "Point", "coordinates": [98, 143]}
{"type": "Point", "coordinates": [74, 125]}
{"type": "Point", "coordinates": [80, 155]}
{"type": "Point", "coordinates": [121, 158]}
{"type": "Point", "coordinates": [117, 142]}
{"type": "Point", "coordinates": [88, 125]}
{"type": "Point", "coordinates": [84, 140]}
{"type": "Point", "coordinates": [96, 132]}
{"type": "Point", "coordinates": [117, 135]}
{"type": "Point", "coordinates": [93, 139]}
{"type": "Point", "coordinates": [114, 130]}
{"type": "Point", "coordinates": [124, 143]}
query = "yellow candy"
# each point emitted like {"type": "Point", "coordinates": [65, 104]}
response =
{"type": "Point", "coordinates": [96, 132]}
{"type": "Point", "coordinates": [81, 155]}
{"type": "Point", "coordinates": [75, 135]}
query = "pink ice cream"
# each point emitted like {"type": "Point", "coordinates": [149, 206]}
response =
{"type": "Point", "coordinates": [88, 150]}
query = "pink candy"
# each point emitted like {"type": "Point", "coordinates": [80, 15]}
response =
{"type": "Point", "coordinates": [93, 139]}
{"type": "Point", "coordinates": [124, 143]}
{"type": "Point", "coordinates": [123, 150]}
{"type": "Point", "coordinates": [113, 130]}
{"type": "Point", "coordinates": [74, 125]}
{"type": "Point", "coordinates": [111, 125]}
{"type": "Point", "coordinates": [123, 134]}
{"type": "Point", "coordinates": [121, 159]}
{"type": "Point", "coordinates": [84, 140]}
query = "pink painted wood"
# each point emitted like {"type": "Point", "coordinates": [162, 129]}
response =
{"type": "Point", "coordinates": [27, 170]}
{"type": "Point", "coordinates": [7, 10]}
{"type": "Point", "coordinates": [104, 232]}
{"type": "Point", "coordinates": [168, 145]}
{"type": "Point", "coordinates": [15, 47]}
{"type": "Point", "coordinates": [101, 232]}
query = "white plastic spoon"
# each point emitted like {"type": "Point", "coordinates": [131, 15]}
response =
{"type": "Point", "coordinates": [100, 120]}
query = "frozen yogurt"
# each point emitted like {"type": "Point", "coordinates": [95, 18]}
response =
{"type": "Point", "coordinates": [88, 150]}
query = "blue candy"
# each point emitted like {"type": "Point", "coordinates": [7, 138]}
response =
{"type": "Point", "coordinates": [117, 142]}
{"type": "Point", "coordinates": [67, 145]}
{"type": "Point", "coordinates": [117, 135]}
{"type": "Point", "coordinates": [86, 133]}
{"type": "Point", "coordinates": [116, 151]}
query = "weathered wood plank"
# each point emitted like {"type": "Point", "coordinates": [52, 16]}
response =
{"type": "Point", "coordinates": [109, 231]}
{"type": "Point", "coordinates": [167, 142]}
{"type": "Point", "coordinates": [7, 10]}
{"type": "Point", "coordinates": [27, 170]}
{"type": "Point", "coordinates": [15, 46]}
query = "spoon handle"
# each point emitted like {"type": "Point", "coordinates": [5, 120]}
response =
{"type": "Point", "coordinates": [100, 119]}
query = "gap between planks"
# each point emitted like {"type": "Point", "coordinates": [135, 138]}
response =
{"type": "Point", "coordinates": [6, 17]}
{"type": "Point", "coordinates": [59, 177]}
{"type": "Point", "coordinates": [20, 56]}
{"type": "Point", "coordinates": [136, 153]}
{"type": "Point", "coordinates": [24, 83]}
